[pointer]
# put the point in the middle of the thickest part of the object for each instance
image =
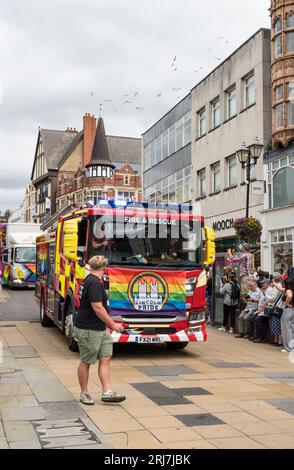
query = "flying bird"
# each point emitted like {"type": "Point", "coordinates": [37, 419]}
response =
{"type": "Point", "coordinates": [127, 102]}
{"type": "Point", "coordinates": [140, 107]}
{"type": "Point", "coordinates": [218, 58]}
{"type": "Point", "coordinates": [107, 101]}
{"type": "Point", "coordinates": [159, 95]}
{"type": "Point", "coordinates": [210, 48]}
{"type": "Point", "coordinates": [175, 58]}
{"type": "Point", "coordinates": [92, 93]}
{"type": "Point", "coordinates": [136, 93]}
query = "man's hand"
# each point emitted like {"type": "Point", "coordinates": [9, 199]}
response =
{"type": "Point", "coordinates": [118, 328]}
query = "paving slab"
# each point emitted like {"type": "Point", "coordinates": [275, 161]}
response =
{"type": "Point", "coordinates": [235, 365]}
{"type": "Point", "coordinates": [203, 419]}
{"type": "Point", "coordinates": [63, 410]}
{"type": "Point", "coordinates": [284, 404]}
{"type": "Point", "coordinates": [3, 443]}
{"type": "Point", "coordinates": [23, 414]}
{"type": "Point", "coordinates": [23, 352]}
{"type": "Point", "coordinates": [191, 391]}
{"type": "Point", "coordinates": [19, 431]}
{"type": "Point", "coordinates": [165, 370]}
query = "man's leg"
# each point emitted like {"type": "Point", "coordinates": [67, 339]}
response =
{"type": "Point", "coordinates": [258, 328]}
{"type": "Point", "coordinates": [241, 323]}
{"type": "Point", "coordinates": [104, 373]}
{"type": "Point", "coordinates": [247, 318]}
{"type": "Point", "coordinates": [83, 376]}
{"type": "Point", "coordinates": [252, 326]}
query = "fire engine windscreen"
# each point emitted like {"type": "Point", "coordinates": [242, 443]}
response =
{"type": "Point", "coordinates": [145, 240]}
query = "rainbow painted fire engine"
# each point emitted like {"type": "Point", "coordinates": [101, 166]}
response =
{"type": "Point", "coordinates": [155, 278]}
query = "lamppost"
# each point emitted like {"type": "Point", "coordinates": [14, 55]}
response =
{"type": "Point", "coordinates": [248, 157]}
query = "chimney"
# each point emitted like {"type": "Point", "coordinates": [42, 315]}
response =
{"type": "Point", "coordinates": [89, 136]}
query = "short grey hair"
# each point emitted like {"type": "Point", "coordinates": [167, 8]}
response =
{"type": "Point", "coordinates": [97, 263]}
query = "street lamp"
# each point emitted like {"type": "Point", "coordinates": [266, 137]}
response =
{"type": "Point", "coordinates": [248, 157]}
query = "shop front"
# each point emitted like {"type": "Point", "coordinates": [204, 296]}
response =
{"type": "Point", "coordinates": [278, 239]}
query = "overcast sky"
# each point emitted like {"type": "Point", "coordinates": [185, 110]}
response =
{"type": "Point", "coordinates": [62, 58]}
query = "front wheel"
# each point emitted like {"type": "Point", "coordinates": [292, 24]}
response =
{"type": "Point", "coordinates": [69, 328]}
{"type": "Point", "coordinates": [177, 346]}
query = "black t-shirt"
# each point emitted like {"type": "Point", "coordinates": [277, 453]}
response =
{"type": "Point", "coordinates": [93, 291]}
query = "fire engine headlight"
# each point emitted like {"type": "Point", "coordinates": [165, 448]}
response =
{"type": "Point", "coordinates": [196, 317]}
{"type": "Point", "coordinates": [190, 286]}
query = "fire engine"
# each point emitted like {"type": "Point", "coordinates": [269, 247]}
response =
{"type": "Point", "coordinates": [155, 277]}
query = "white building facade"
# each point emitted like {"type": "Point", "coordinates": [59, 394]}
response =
{"type": "Point", "coordinates": [231, 105]}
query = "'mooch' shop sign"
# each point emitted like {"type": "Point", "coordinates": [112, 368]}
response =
{"type": "Point", "coordinates": [223, 225]}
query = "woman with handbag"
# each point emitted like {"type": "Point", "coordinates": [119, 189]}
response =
{"type": "Point", "coordinates": [287, 320]}
{"type": "Point", "coordinates": [275, 299]}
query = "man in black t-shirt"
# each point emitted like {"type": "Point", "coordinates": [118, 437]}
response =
{"type": "Point", "coordinates": [92, 333]}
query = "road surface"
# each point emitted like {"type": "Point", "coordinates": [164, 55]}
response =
{"type": "Point", "coordinates": [18, 305]}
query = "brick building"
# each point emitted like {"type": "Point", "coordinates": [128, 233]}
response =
{"type": "Point", "coordinates": [99, 167]}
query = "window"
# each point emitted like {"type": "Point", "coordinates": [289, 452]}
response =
{"type": "Point", "coordinates": [187, 129]}
{"type": "Point", "coordinates": [152, 153]}
{"type": "Point", "coordinates": [179, 135]}
{"type": "Point", "coordinates": [215, 177]}
{"type": "Point", "coordinates": [279, 116]}
{"type": "Point", "coordinates": [164, 144]}
{"type": "Point", "coordinates": [290, 104]}
{"type": "Point", "coordinates": [278, 25]}
{"type": "Point", "coordinates": [278, 43]}
{"type": "Point", "coordinates": [172, 139]}
{"type": "Point", "coordinates": [158, 149]}
{"type": "Point", "coordinates": [201, 123]}
{"type": "Point", "coordinates": [290, 41]}
{"type": "Point", "coordinates": [279, 93]}
{"type": "Point", "coordinates": [127, 179]}
{"type": "Point", "coordinates": [231, 102]}
{"type": "Point", "coordinates": [202, 183]}
{"type": "Point", "coordinates": [232, 171]}
{"type": "Point", "coordinates": [215, 113]}
{"type": "Point", "coordinates": [146, 158]}
{"type": "Point", "coordinates": [249, 90]}
{"type": "Point", "coordinates": [290, 21]}
{"type": "Point", "coordinates": [283, 187]}
{"type": "Point", "coordinates": [95, 196]}
{"type": "Point", "coordinates": [176, 188]}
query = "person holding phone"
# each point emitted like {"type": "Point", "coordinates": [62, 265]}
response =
{"type": "Point", "coordinates": [251, 300]}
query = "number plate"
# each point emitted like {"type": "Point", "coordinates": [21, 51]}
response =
{"type": "Point", "coordinates": [148, 339]}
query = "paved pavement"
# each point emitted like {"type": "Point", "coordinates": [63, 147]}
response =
{"type": "Point", "coordinates": [18, 304]}
{"type": "Point", "coordinates": [227, 393]}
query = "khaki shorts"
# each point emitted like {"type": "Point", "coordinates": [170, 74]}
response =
{"type": "Point", "coordinates": [93, 344]}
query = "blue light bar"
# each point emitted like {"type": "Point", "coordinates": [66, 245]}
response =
{"type": "Point", "coordinates": [104, 202]}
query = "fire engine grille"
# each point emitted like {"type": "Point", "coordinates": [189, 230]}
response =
{"type": "Point", "coordinates": [156, 331]}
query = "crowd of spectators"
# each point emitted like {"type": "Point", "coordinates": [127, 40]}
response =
{"type": "Point", "coordinates": [266, 303]}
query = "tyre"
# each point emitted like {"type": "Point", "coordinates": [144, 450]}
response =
{"type": "Point", "coordinates": [44, 320]}
{"type": "Point", "coordinates": [69, 327]}
{"type": "Point", "coordinates": [176, 346]}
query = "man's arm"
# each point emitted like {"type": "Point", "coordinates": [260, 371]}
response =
{"type": "Point", "coordinates": [103, 315]}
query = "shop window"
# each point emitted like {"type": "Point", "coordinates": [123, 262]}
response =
{"type": "Point", "coordinates": [283, 187]}
{"type": "Point", "coordinates": [282, 255]}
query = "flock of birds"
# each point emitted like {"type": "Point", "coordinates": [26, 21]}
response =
{"type": "Point", "coordinates": [132, 98]}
